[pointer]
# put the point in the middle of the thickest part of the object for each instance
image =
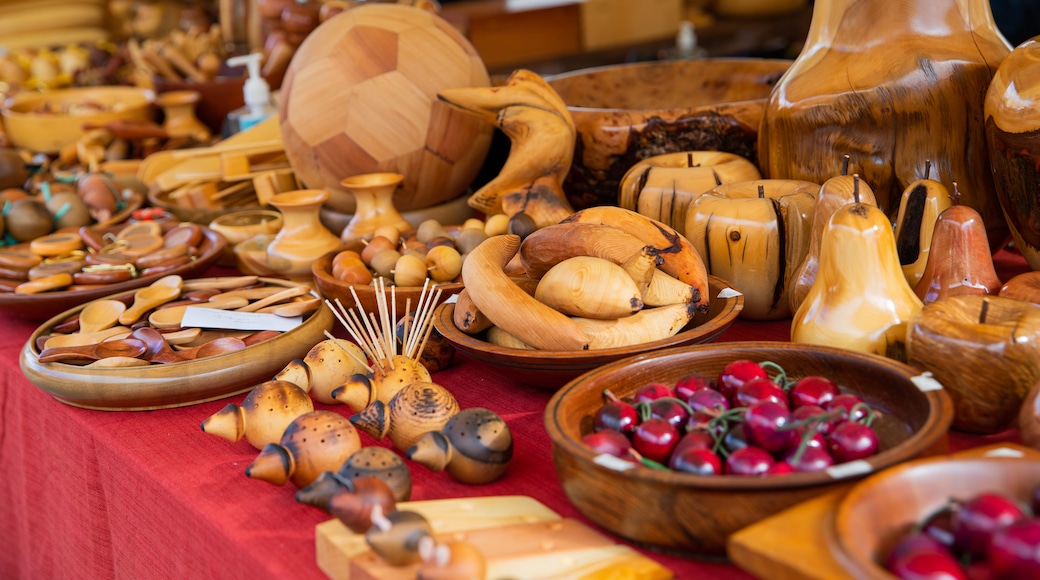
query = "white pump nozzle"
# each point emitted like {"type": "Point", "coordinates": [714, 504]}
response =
{"type": "Point", "coordinates": [256, 92]}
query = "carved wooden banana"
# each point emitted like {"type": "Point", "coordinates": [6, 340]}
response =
{"type": "Point", "coordinates": [589, 287]}
{"type": "Point", "coordinates": [499, 337]}
{"type": "Point", "coordinates": [919, 208]}
{"type": "Point", "coordinates": [665, 289]}
{"type": "Point", "coordinates": [641, 267]}
{"type": "Point", "coordinates": [469, 319]}
{"type": "Point", "coordinates": [678, 256]}
{"type": "Point", "coordinates": [647, 325]}
{"type": "Point", "coordinates": [553, 244]}
{"type": "Point", "coordinates": [508, 306]}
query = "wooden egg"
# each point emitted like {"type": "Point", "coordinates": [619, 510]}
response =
{"type": "Point", "coordinates": [475, 446]}
{"type": "Point", "coordinates": [27, 219]}
{"type": "Point", "coordinates": [415, 410]}
{"type": "Point", "coordinates": [398, 541]}
{"type": "Point", "coordinates": [263, 415]}
{"type": "Point", "coordinates": [313, 443]}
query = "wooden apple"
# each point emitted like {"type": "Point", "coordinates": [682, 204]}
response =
{"type": "Point", "coordinates": [919, 208]}
{"type": "Point", "coordinates": [959, 263]}
{"type": "Point", "coordinates": [753, 234]}
{"type": "Point", "coordinates": [860, 299]}
{"type": "Point", "coordinates": [835, 193]}
{"type": "Point", "coordinates": [663, 186]}
{"type": "Point", "coordinates": [985, 350]}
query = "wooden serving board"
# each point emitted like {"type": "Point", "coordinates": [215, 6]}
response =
{"type": "Point", "coordinates": [799, 543]}
{"type": "Point", "coordinates": [519, 537]}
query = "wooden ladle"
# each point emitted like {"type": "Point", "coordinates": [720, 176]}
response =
{"type": "Point", "coordinates": [128, 347]}
{"type": "Point", "coordinates": [100, 315]}
{"type": "Point", "coordinates": [160, 292]}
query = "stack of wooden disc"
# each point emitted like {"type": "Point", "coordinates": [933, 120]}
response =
{"type": "Point", "coordinates": [46, 23]}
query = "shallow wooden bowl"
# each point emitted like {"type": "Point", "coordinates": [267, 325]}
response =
{"type": "Point", "coordinates": [161, 386]}
{"type": "Point", "coordinates": [550, 370]}
{"type": "Point", "coordinates": [44, 305]}
{"type": "Point", "coordinates": [882, 508]}
{"type": "Point", "coordinates": [694, 515]}
{"type": "Point", "coordinates": [625, 113]}
{"type": "Point", "coordinates": [199, 215]}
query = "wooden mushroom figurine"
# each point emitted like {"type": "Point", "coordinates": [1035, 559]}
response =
{"type": "Point", "coordinates": [263, 415]}
{"type": "Point", "coordinates": [415, 410]}
{"type": "Point", "coordinates": [371, 461]}
{"type": "Point", "coordinates": [354, 500]}
{"type": "Point", "coordinates": [313, 443]}
{"type": "Point", "coordinates": [395, 536]}
{"type": "Point", "coordinates": [475, 446]}
{"type": "Point", "coordinates": [325, 368]}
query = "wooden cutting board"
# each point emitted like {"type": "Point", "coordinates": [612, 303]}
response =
{"type": "Point", "coordinates": [799, 543]}
{"type": "Point", "coordinates": [519, 537]}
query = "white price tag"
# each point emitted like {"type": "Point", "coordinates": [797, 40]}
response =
{"type": "Point", "coordinates": [926, 382]}
{"type": "Point", "coordinates": [1004, 452]}
{"type": "Point", "coordinates": [728, 293]}
{"type": "Point", "coordinates": [849, 469]}
{"type": "Point", "coordinates": [614, 463]}
{"type": "Point", "coordinates": [231, 320]}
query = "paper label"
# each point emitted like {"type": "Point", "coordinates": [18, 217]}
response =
{"type": "Point", "coordinates": [452, 299]}
{"type": "Point", "coordinates": [926, 382]}
{"type": "Point", "coordinates": [611, 462]}
{"type": "Point", "coordinates": [851, 468]}
{"type": "Point", "coordinates": [196, 317]}
{"type": "Point", "coordinates": [1004, 452]}
{"type": "Point", "coordinates": [728, 293]}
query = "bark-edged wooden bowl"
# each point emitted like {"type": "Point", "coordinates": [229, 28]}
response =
{"type": "Point", "coordinates": [879, 510]}
{"type": "Point", "coordinates": [694, 515]}
{"type": "Point", "coordinates": [552, 369]}
{"type": "Point", "coordinates": [177, 384]}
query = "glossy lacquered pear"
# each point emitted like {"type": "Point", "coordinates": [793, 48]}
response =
{"type": "Point", "coordinates": [985, 350]}
{"type": "Point", "coordinates": [919, 208]}
{"type": "Point", "coordinates": [860, 299]}
{"type": "Point", "coordinates": [835, 193]}
{"type": "Point", "coordinates": [959, 262]}
{"type": "Point", "coordinates": [753, 234]}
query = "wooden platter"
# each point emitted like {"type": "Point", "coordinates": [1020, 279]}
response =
{"type": "Point", "coordinates": [47, 304]}
{"type": "Point", "coordinates": [520, 538]}
{"type": "Point", "coordinates": [801, 543]}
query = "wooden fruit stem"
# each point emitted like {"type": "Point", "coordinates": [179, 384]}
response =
{"type": "Point", "coordinates": [955, 197]}
{"type": "Point", "coordinates": [845, 164]}
{"type": "Point", "coordinates": [983, 311]}
{"type": "Point", "coordinates": [715, 174]}
{"type": "Point", "coordinates": [761, 191]}
{"type": "Point", "coordinates": [855, 187]}
{"type": "Point", "coordinates": [927, 168]}
{"type": "Point", "coordinates": [689, 160]}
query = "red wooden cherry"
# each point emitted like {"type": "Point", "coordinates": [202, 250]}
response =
{"type": "Point", "coordinates": [749, 461]}
{"type": "Point", "coordinates": [928, 565]}
{"type": "Point", "coordinates": [804, 412]}
{"type": "Point", "coordinates": [696, 461]}
{"type": "Point", "coordinates": [910, 543]}
{"type": "Point", "coordinates": [651, 391]}
{"type": "Point", "coordinates": [709, 399]}
{"type": "Point", "coordinates": [812, 390]}
{"type": "Point", "coordinates": [694, 440]}
{"type": "Point", "coordinates": [692, 383]}
{"type": "Point", "coordinates": [1014, 550]}
{"type": "Point", "coordinates": [737, 373]}
{"type": "Point", "coordinates": [616, 415]}
{"type": "Point", "coordinates": [671, 410]}
{"type": "Point", "coordinates": [849, 441]}
{"type": "Point", "coordinates": [810, 459]}
{"type": "Point", "coordinates": [780, 468]}
{"type": "Point", "coordinates": [978, 517]}
{"type": "Point", "coordinates": [939, 526]}
{"type": "Point", "coordinates": [655, 438]}
{"type": "Point", "coordinates": [848, 402]}
{"type": "Point", "coordinates": [757, 390]}
{"type": "Point", "coordinates": [764, 422]}
{"type": "Point", "coordinates": [608, 441]}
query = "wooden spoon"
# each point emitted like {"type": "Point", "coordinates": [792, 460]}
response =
{"type": "Point", "coordinates": [115, 362]}
{"type": "Point", "coordinates": [181, 336]}
{"type": "Point", "coordinates": [171, 317]}
{"type": "Point", "coordinates": [129, 347]}
{"type": "Point", "coordinates": [84, 338]}
{"type": "Point", "coordinates": [260, 336]}
{"type": "Point", "coordinates": [282, 296]}
{"type": "Point", "coordinates": [159, 350]}
{"type": "Point", "coordinates": [100, 315]}
{"type": "Point", "coordinates": [213, 348]}
{"type": "Point", "coordinates": [224, 283]}
{"type": "Point", "coordinates": [160, 292]}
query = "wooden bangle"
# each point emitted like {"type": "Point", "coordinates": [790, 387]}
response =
{"type": "Point", "coordinates": [45, 284]}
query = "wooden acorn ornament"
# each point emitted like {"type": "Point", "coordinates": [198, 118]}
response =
{"type": "Point", "coordinates": [263, 415]}
{"type": "Point", "coordinates": [326, 367]}
{"type": "Point", "coordinates": [475, 446]}
{"type": "Point", "coordinates": [395, 536]}
{"type": "Point", "coordinates": [371, 461]}
{"type": "Point", "coordinates": [313, 443]}
{"type": "Point", "coordinates": [415, 410]}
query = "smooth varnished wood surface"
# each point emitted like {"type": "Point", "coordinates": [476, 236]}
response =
{"type": "Point", "coordinates": [551, 369]}
{"type": "Point", "coordinates": [46, 304]}
{"type": "Point", "coordinates": [175, 384]}
{"type": "Point", "coordinates": [693, 514]}
{"type": "Point", "coordinates": [883, 82]}
{"type": "Point", "coordinates": [800, 543]}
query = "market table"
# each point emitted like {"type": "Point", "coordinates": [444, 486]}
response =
{"type": "Point", "coordinates": [94, 494]}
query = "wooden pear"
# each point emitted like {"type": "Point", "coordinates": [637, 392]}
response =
{"type": "Point", "coordinates": [313, 443]}
{"type": "Point", "coordinates": [860, 299]}
{"type": "Point", "coordinates": [263, 415]}
{"type": "Point", "coordinates": [922, 202]}
{"type": "Point", "coordinates": [834, 193]}
{"type": "Point", "coordinates": [959, 263]}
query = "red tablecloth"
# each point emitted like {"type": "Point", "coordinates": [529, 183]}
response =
{"type": "Point", "coordinates": [92, 494]}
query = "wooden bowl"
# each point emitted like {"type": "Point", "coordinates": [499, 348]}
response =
{"type": "Point", "coordinates": [628, 112]}
{"type": "Point", "coordinates": [161, 386]}
{"type": "Point", "coordinates": [44, 305]}
{"type": "Point", "coordinates": [332, 288]}
{"type": "Point", "coordinates": [876, 512]}
{"type": "Point", "coordinates": [49, 132]}
{"type": "Point", "coordinates": [198, 215]}
{"type": "Point", "coordinates": [550, 370]}
{"type": "Point", "coordinates": [694, 515]}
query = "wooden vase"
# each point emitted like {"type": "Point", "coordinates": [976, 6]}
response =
{"type": "Point", "coordinates": [1013, 135]}
{"type": "Point", "coordinates": [373, 205]}
{"type": "Point", "coordinates": [179, 115]}
{"type": "Point", "coordinates": [302, 239]}
{"type": "Point", "coordinates": [892, 83]}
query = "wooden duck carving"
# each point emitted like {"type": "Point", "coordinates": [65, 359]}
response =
{"type": "Point", "coordinates": [542, 134]}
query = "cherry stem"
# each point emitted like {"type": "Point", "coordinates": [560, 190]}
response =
{"type": "Point", "coordinates": [647, 462]}
{"type": "Point", "coordinates": [609, 395]}
{"type": "Point", "coordinates": [780, 378]}
{"type": "Point", "coordinates": [868, 419]}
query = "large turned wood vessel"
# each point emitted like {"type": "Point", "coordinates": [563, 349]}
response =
{"type": "Point", "coordinates": [892, 83]}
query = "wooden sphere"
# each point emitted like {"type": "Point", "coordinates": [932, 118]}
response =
{"type": "Point", "coordinates": [374, 72]}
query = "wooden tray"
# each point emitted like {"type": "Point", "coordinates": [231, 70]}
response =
{"type": "Point", "coordinates": [520, 537]}
{"type": "Point", "coordinates": [801, 543]}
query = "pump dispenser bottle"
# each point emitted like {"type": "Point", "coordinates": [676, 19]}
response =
{"type": "Point", "coordinates": [256, 94]}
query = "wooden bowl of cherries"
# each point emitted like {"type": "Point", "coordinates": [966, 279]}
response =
{"type": "Point", "coordinates": [679, 448]}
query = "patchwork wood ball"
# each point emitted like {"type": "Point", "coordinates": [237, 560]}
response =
{"type": "Point", "coordinates": [360, 96]}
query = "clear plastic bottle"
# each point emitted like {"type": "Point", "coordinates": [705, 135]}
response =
{"type": "Point", "coordinates": [256, 94]}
